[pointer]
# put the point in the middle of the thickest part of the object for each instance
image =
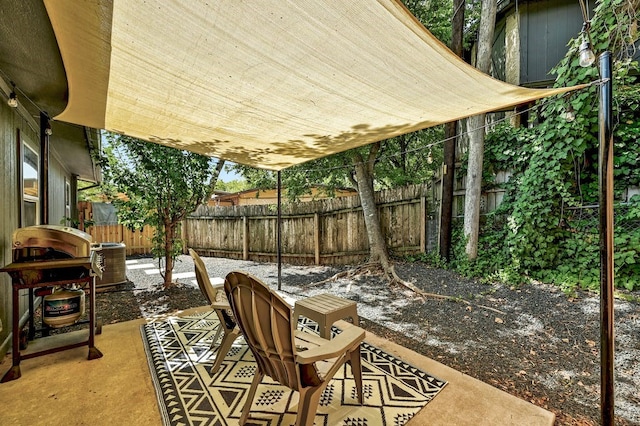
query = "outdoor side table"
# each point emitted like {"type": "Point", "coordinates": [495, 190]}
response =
{"type": "Point", "coordinates": [325, 309]}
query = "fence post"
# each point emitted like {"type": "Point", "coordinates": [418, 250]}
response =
{"type": "Point", "coordinates": [185, 237]}
{"type": "Point", "coordinates": [423, 224]}
{"type": "Point", "coordinates": [316, 237]}
{"type": "Point", "coordinates": [245, 238]}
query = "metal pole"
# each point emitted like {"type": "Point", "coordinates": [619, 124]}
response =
{"type": "Point", "coordinates": [278, 232]}
{"type": "Point", "coordinates": [43, 190]}
{"type": "Point", "coordinates": [605, 181]}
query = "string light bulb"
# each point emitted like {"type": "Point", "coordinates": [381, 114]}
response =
{"type": "Point", "coordinates": [587, 57]}
{"type": "Point", "coordinates": [13, 99]}
{"type": "Point", "coordinates": [429, 157]}
{"type": "Point", "coordinates": [47, 130]}
{"type": "Point", "coordinates": [568, 114]}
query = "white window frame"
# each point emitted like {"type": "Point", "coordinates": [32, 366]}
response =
{"type": "Point", "coordinates": [27, 198]}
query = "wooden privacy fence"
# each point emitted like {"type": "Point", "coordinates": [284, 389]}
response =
{"type": "Point", "coordinates": [330, 231]}
{"type": "Point", "coordinates": [136, 242]}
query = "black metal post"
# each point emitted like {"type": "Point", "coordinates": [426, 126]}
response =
{"type": "Point", "coordinates": [43, 190]}
{"type": "Point", "coordinates": [278, 232]}
{"type": "Point", "coordinates": [605, 181]}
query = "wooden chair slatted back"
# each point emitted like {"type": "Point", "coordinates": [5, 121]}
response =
{"type": "Point", "coordinates": [202, 277]}
{"type": "Point", "coordinates": [266, 323]}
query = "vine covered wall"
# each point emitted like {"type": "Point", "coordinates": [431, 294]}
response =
{"type": "Point", "coordinates": [541, 229]}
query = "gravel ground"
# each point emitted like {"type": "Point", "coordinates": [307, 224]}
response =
{"type": "Point", "coordinates": [532, 341]}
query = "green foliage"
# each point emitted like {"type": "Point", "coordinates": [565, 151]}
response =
{"type": "Point", "coordinates": [472, 22]}
{"type": "Point", "coordinates": [75, 223]}
{"type": "Point", "coordinates": [161, 185]}
{"type": "Point", "coordinates": [409, 159]}
{"type": "Point", "coordinates": [89, 191]}
{"type": "Point", "coordinates": [236, 185]}
{"type": "Point", "coordinates": [579, 264]}
{"type": "Point", "coordinates": [494, 262]}
{"type": "Point", "coordinates": [555, 166]}
{"type": "Point", "coordinates": [431, 258]}
{"type": "Point", "coordinates": [435, 15]}
{"type": "Point", "coordinates": [627, 243]}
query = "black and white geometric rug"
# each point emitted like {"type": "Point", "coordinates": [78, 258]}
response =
{"type": "Point", "coordinates": [179, 355]}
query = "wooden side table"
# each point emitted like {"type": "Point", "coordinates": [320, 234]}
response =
{"type": "Point", "coordinates": [325, 309]}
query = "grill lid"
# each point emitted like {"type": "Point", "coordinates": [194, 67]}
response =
{"type": "Point", "coordinates": [65, 239]}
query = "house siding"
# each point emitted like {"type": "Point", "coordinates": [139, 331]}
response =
{"type": "Point", "coordinates": [512, 50]}
{"type": "Point", "coordinates": [545, 29]}
{"type": "Point", "coordinates": [10, 122]}
{"type": "Point", "coordinates": [14, 122]}
{"type": "Point", "coordinates": [57, 176]}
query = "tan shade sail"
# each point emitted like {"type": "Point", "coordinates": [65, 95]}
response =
{"type": "Point", "coordinates": [267, 83]}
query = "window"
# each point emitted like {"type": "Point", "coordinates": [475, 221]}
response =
{"type": "Point", "coordinates": [30, 173]}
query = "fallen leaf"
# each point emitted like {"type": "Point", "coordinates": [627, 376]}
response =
{"type": "Point", "coordinates": [591, 343]}
{"type": "Point", "coordinates": [499, 320]}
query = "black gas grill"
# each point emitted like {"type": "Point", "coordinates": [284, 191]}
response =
{"type": "Point", "coordinates": [47, 258]}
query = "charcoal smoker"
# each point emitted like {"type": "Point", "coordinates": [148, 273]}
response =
{"type": "Point", "coordinates": [60, 264]}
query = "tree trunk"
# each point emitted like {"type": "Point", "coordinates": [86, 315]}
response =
{"type": "Point", "coordinates": [364, 180]}
{"type": "Point", "coordinates": [475, 127]}
{"type": "Point", "coordinates": [169, 229]}
{"type": "Point", "coordinates": [171, 226]}
{"type": "Point", "coordinates": [450, 135]}
{"type": "Point", "coordinates": [214, 179]}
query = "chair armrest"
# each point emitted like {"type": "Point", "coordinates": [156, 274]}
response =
{"type": "Point", "coordinates": [220, 305]}
{"type": "Point", "coordinates": [223, 304]}
{"type": "Point", "coordinates": [333, 348]}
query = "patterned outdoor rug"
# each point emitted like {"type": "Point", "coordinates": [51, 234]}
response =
{"type": "Point", "coordinates": [180, 359]}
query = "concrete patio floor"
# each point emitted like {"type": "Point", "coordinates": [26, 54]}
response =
{"type": "Point", "coordinates": [66, 388]}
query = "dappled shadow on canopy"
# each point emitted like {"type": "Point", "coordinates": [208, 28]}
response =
{"type": "Point", "coordinates": [269, 84]}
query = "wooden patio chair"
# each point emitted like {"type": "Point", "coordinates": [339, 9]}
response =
{"type": "Point", "coordinates": [217, 298]}
{"type": "Point", "coordinates": [302, 361]}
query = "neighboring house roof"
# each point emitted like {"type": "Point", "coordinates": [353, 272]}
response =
{"type": "Point", "coordinates": [269, 196]}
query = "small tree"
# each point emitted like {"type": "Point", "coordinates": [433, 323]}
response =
{"type": "Point", "coordinates": [161, 185]}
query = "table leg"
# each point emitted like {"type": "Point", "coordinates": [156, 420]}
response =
{"type": "Point", "coordinates": [325, 331]}
{"type": "Point", "coordinates": [32, 322]}
{"type": "Point", "coordinates": [93, 351]}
